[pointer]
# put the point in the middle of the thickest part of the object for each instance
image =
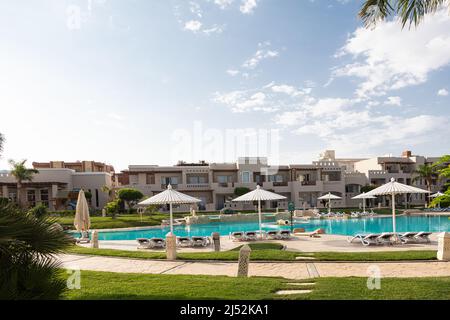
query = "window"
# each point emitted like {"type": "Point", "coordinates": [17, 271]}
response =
{"type": "Point", "coordinates": [196, 180]}
{"type": "Point", "coordinates": [44, 197]}
{"type": "Point", "coordinates": [276, 178]}
{"type": "Point", "coordinates": [222, 179]}
{"type": "Point", "coordinates": [96, 198]}
{"type": "Point", "coordinates": [31, 197]}
{"type": "Point", "coordinates": [245, 177]}
{"type": "Point", "coordinates": [169, 180]}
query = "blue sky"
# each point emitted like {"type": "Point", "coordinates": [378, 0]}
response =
{"type": "Point", "coordinates": [131, 82]}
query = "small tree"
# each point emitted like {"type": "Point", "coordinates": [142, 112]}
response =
{"type": "Point", "coordinates": [21, 173]}
{"type": "Point", "coordinates": [239, 191]}
{"type": "Point", "coordinates": [39, 211]}
{"type": "Point", "coordinates": [112, 208]}
{"type": "Point", "coordinates": [129, 196]}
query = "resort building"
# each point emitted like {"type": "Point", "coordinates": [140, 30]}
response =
{"type": "Point", "coordinates": [302, 184]}
{"type": "Point", "coordinates": [57, 184]}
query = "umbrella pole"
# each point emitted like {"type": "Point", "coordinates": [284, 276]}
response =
{"type": "Point", "coordinates": [364, 205]}
{"type": "Point", "coordinates": [394, 227]}
{"type": "Point", "coordinates": [259, 217]}
{"type": "Point", "coordinates": [329, 206]}
{"type": "Point", "coordinates": [171, 219]}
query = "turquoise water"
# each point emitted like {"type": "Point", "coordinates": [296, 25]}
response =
{"type": "Point", "coordinates": [333, 226]}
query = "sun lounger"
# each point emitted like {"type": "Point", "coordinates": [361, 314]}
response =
{"type": "Point", "coordinates": [158, 242]}
{"type": "Point", "coordinates": [423, 237]}
{"type": "Point", "coordinates": [272, 235]}
{"type": "Point", "coordinates": [84, 237]}
{"type": "Point", "coordinates": [200, 241]}
{"type": "Point", "coordinates": [144, 243]}
{"type": "Point", "coordinates": [237, 236]}
{"type": "Point", "coordinates": [314, 234]}
{"type": "Point", "coordinates": [184, 242]}
{"type": "Point", "coordinates": [366, 239]}
{"type": "Point", "coordinates": [385, 238]}
{"type": "Point", "coordinates": [407, 237]}
{"type": "Point", "coordinates": [284, 234]}
{"type": "Point", "coordinates": [250, 236]}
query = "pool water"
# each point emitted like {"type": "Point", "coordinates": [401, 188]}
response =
{"type": "Point", "coordinates": [332, 226]}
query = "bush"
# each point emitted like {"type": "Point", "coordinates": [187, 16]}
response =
{"type": "Point", "coordinates": [129, 196]}
{"type": "Point", "coordinates": [241, 191]}
{"type": "Point", "coordinates": [38, 211]}
{"type": "Point", "coordinates": [113, 207]}
{"type": "Point", "coordinates": [28, 269]}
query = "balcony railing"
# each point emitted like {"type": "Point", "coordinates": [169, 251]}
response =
{"type": "Point", "coordinates": [280, 184]}
{"type": "Point", "coordinates": [174, 186]}
{"type": "Point", "coordinates": [308, 183]}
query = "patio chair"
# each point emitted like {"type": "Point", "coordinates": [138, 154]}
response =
{"type": "Point", "coordinates": [314, 234]}
{"type": "Point", "coordinates": [184, 242]}
{"type": "Point", "coordinates": [158, 242]}
{"type": "Point", "coordinates": [144, 243]}
{"type": "Point", "coordinates": [237, 236]}
{"type": "Point", "coordinates": [272, 235]}
{"type": "Point", "coordinates": [84, 237]}
{"type": "Point", "coordinates": [250, 236]}
{"type": "Point", "coordinates": [200, 241]}
{"type": "Point", "coordinates": [407, 237]}
{"type": "Point", "coordinates": [423, 237]}
{"type": "Point", "coordinates": [366, 239]}
{"type": "Point", "coordinates": [284, 234]}
{"type": "Point", "coordinates": [385, 238]}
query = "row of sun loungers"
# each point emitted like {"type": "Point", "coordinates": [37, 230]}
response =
{"type": "Point", "coordinates": [184, 242]}
{"type": "Point", "coordinates": [254, 235]}
{"type": "Point", "coordinates": [437, 209]}
{"type": "Point", "coordinates": [387, 238]}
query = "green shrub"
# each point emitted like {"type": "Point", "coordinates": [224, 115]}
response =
{"type": "Point", "coordinates": [38, 211]}
{"type": "Point", "coordinates": [239, 191]}
{"type": "Point", "coordinates": [27, 246]}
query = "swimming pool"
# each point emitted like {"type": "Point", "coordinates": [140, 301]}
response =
{"type": "Point", "coordinates": [331, 226]}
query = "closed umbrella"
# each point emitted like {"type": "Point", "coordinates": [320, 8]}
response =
{"type": "Point", "coordinates": [329, 196]}
{"type": "Point", "coordinates": [259, 195]}
{"type": "Point", "coordinates": [82, 220]}
{"type": "Point", "coordinates": [169, 197]}
{"type": "Point", "coordinates": [393, 188]}
{"type": "Point", "coordinates": [364, 196]}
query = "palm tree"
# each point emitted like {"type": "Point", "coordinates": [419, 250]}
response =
{"type": "Point", "coordinates": [426, 172]}
{"type": "Point", "coordinates": [443, 166]}
{"type": "Point", "coordinates": [109, 191]}
{"type": "Point", "coordinates": [21, 173]}
{"type": "Point", "coordinates": [28, 269]}
{"type": "Point", "coordinates": [2, 140]}
{"type": "Point", "coordinates": [409, 11]}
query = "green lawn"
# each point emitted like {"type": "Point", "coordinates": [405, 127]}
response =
{"type": "Point", "coordinates": [106, 285]}
{"type": "Point", "coordinates": [121, 221]}
{"type": "Point", "coordinates": [265, 252]}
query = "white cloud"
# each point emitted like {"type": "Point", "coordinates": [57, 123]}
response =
{"type": "Point", "coordinates": [193, 25]}
{"type": "Point", "coordinates": [393, 101]}
{"type": "Point", "coordinates": [388, 58]}
{"type": "Point", "coordinates": [244, 101]}
{"type": "Point", "coordinates": [289, 90]}
{"type": "Point", "coordinates": [248, 6]}
{"type": "Point", "coordinates": [443, 92]}
{"type": "Point", "coordinates": [223, 4]}
{"type": "Point", "coordinates": [233, 72]}
{"type": "Point", "coordinates": [261, 54]}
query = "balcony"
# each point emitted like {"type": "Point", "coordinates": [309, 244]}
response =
{"type": "Point", "coordinates": [280, 184]}
{"type": "Point", "coordinates": [164, 186]}
{"type": "Point", "coordinates": [308, 183]}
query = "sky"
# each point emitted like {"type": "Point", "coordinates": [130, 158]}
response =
{"type": "Point", "coordinates": [157, 81]}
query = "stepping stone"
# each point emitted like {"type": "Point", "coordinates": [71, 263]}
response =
{"type": "Point", "coordinates": [287, 292]}
{"type": "Point", "coordinates": [301, 283]}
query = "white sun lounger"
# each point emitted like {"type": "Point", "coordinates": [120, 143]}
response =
{"type": "Point", "coordinates": [237, 236]}
{"type": "Point", "coordinates": [200, 241]}
{"type": "Point", "coordinates": [385, 238]}
{"type": "Point", "coordinates": [184, 242]}
{"type": "Point", "coordinates": [284, 234]}
{"type": "Point", "coordinates": [250, 236]}
{"type": "Point", "coordinates": [366, 239]}
{"type": "Point", "coordinates": [423, 237]}
{"type": "Point", "coordinates": [272, 235]}
{"type": "Point", "coordinates": [407, 237]}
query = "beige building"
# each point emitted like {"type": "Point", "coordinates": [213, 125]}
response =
{"type": "Point", "coordinates": [58, 188]}
{"type": "Point", "coordinates": [302, 184]}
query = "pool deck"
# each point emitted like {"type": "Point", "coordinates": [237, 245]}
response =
{"type": "Point", "coordinates": [327, 242]}
{"type": "Point", "coordinates": [292, 270]}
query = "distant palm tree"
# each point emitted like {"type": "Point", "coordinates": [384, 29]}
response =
{"type": "Point", "coordinates": [409, 11]}
{"type": "Point", "coordinates": [21, 173]}
{"type": "Point", "coordinates": [2, 140]}
{"type": "Point", "coordinates": [426, 172]}
{"type": "Point", "coordinates": [109, 191]}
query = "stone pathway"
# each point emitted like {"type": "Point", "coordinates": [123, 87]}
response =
{"type": "Point", "coordinates": [288, 270]}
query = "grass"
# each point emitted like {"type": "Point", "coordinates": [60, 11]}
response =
{"type": "Point", "coordinates": [260, 251]}
{"type": "Point", "coordinates": [107, 285]}
{"type": "Point", "coordinates": [264, 252]}
{"type": "Point", "coordinates": [121, 221]}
